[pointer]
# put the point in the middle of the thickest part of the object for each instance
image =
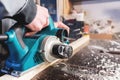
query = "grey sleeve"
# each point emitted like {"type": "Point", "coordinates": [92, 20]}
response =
{"type": "Point", "coordinates": [10, 7]}
{"type": "Point", "coordinates": [20, 10]}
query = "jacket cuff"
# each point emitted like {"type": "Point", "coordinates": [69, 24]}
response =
{"type": "Point", "coordinates": [27, 13]}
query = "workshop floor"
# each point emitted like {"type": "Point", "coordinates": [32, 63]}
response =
{"type": "Point", "coordinates": [89, 63]}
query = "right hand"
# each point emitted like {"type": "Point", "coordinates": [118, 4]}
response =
{"type": "Point", "coordinates": [40, 21]}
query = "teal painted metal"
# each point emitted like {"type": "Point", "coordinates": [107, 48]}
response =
{"type": "Point", "coordinates": [23, 58]}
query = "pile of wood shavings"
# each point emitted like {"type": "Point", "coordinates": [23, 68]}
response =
{"type": "Point", "coordinates": [87, 64]}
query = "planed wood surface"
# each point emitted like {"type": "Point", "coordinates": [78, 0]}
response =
{"type": "Point", "coordinates": [28, 75]}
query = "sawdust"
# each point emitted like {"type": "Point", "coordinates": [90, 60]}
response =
{"type": "Point", "coordinates": [106, 66]}
{"type": "Point", "coordinates": [87, 64]}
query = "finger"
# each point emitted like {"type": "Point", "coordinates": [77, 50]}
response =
{"type": "Point", "coordinates": [47, 22]}
{"type": "Point", "coordinates": [44, 22]}
{"type": "Point", "coordinates": [30, 33]}
{"type": "Point", "coordinates": [61, 25]}
{"type": "Point", "coordinates": [37, 26]}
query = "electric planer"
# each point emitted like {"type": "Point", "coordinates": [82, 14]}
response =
{"type": "Point", "coordinates": [26, 52]}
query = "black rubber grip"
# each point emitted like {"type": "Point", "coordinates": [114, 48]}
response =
{"type": "Point", "coordinates": [62, 33]}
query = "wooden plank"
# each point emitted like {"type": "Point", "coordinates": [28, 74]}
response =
{"type": "Point", "coordinates": [77, 45]}
{"type": "Point", "coordinates": [80, 43]}
{"type": "Point", "coordinates": [101, 36]}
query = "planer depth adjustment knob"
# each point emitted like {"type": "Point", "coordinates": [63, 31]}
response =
{"type": "Point", "coordinates": [62, 51]}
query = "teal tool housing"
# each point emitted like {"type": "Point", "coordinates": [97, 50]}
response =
{"type": "Point", "coordinates": [25, 52]}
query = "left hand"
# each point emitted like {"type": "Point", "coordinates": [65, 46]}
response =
{"type": "Point", "coordinates": [62, 25]}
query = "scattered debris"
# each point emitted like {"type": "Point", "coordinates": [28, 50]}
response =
{"type": "Point", "coordinates": [101, 26]}
{"type": "Point", "coordinates": [87, 64]}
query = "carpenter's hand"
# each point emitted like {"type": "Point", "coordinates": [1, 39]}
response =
{"type": "Point", "coordinates": [39, 22]}
{"type": "Point", "coordinates": [62, 25]}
